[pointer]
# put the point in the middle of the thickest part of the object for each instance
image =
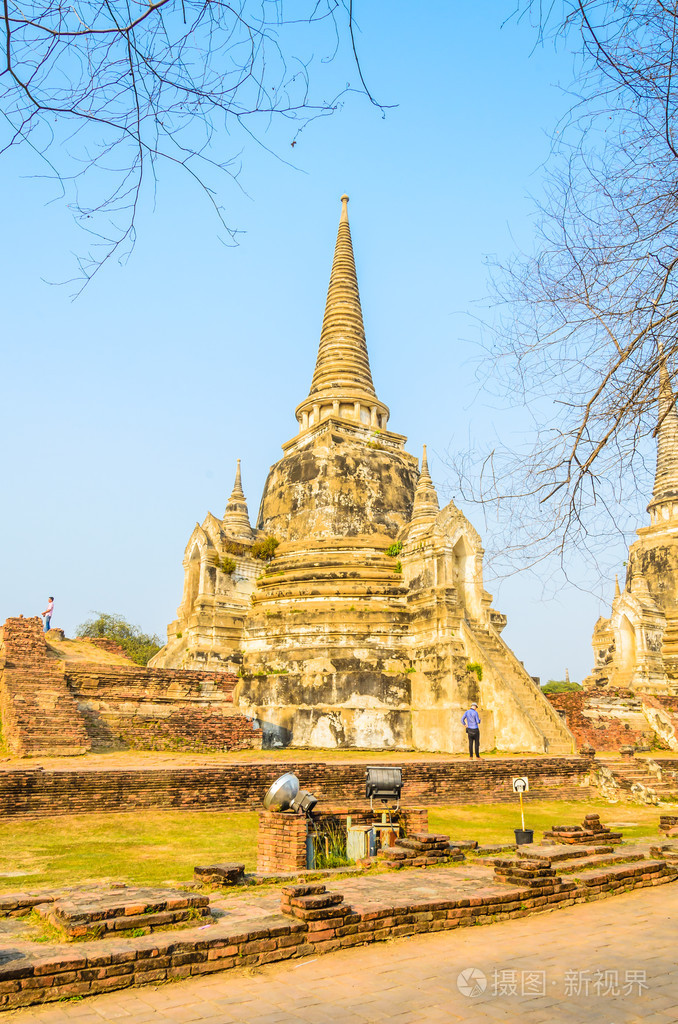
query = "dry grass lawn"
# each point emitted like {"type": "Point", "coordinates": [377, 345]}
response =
{"type": "Point", "coordinates": [154, 847]}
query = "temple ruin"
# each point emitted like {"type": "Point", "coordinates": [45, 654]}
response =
{"type": "Point", "coordinates": [637, 646]}
{"type": "Point", "coordinates": [354, 613]}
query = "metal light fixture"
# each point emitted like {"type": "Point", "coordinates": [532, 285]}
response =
{"type": "Point", "coordinates": [304, 802]}
{"type": "Point", "coordinates": [384, 784]}
{"type": "Point", "coordinates": [285, 795]}
{"type": "Point", "coordinates": [282, 793]}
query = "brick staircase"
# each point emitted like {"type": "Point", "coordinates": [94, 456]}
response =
{"type": "Point", "coordinates": [38, 712]}
{"type": "Point", "coordinates": [494, 653]}
{"type": "Point", "coordinates": [630, 772]}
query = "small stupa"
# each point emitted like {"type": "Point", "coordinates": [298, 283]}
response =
{"type": "Point", "coordinates": [354, 612]}
{"type": "Point", "coordinates": [636, 647]}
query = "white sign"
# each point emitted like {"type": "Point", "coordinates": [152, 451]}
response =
{"type": "Point", "coordinates": [520, 785]}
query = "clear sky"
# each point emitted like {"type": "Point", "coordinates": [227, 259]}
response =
{"type": "Point", "coordinates": [123, 412]}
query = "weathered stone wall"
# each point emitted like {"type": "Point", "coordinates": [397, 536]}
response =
{"type": "Point", "coordinates": [604, 720]}
{"type": "Point", "coordinates": [35, 793]}
{"type": "Point", "coordinates": [160, 709]}
{"type": "Point", "coordinates": [52, 705]}
{"type": "Point", "coordinates": [340, 482]}
{"type": "Point", "coordinates": [37, 711]}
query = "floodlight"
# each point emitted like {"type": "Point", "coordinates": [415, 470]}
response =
{"type": "Point", "coordinates": [285, 795]}
{"type": "Point", "coordinates": [282, 793]}
{"type": "Point", "coordinates": [304, 802]}
{"type": "Point", "coordinates": [384, 784]}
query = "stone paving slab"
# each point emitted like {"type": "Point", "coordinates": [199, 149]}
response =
{"type": "Point", "coordinates": [435, 885]}
{"type": "Point", "coordinates": [550, 851]}
{"type": "Point", "coordinates": [121, 908]}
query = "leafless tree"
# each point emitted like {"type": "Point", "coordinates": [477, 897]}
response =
{"type": "Point", "coordinates": [579, 320]}
{"type": "Point", "coordinates": [103, 92]}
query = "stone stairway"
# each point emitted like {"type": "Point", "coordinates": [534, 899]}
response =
{"type": "Point", "coordinates": [546, 720]}
{"type": "Point", "coordinates": [39, 713]}
{"type": "Point", "coordinates": [632, 772]}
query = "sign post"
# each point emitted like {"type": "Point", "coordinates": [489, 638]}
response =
{"type": "Point", "coordinates": [520, 786]}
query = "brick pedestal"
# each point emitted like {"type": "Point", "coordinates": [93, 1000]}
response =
{"type": "Point", "coordinates": [281, 843]}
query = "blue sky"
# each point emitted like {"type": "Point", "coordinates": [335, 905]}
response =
{"type": "Point", "coordinates": [124, 411]}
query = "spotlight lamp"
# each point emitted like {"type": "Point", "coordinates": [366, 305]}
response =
{"type": "Point", "coordinates": [285, 795]}
{"type": "Point", "coordinates": [384, 784]}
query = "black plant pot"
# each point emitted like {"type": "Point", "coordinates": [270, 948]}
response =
{"type": "Point", "coordinates": [524, 836]}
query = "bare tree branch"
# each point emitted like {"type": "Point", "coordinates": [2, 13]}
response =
{"type": "Point", "coordinates": [579, 322]}
{"type": "Point", "coordinates": [105, 91]}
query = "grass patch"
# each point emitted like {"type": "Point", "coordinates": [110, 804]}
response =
{"type": "Point", "coordinates": [152, 847]}
{"type": "Point", "coordinates": [140, 848]}
{"type": "Point", "coordinates": [494, 823]}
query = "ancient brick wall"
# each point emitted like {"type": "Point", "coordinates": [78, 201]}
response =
{"type": "Point", "coordinates": [105, 644]}
{"type": "Point", "coordinates": [50, 705]}
{"type": "Point", "coordinates": [23, 642]}
{"type": "Point", "coordinates": [159, 709]}
{"type": "Point", "coordinates": [37, 710]}
{"type": "Point", "coordinates": [35, 792]}
{"type": "Point", "coordinates": [59, 975]}
{"type": "Point", "coordinates": [600, 727]}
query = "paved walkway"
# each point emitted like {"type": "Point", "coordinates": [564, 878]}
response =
{"type": "Point", "coordinates": [131, 760]}
{"type": "Point", "coordinates": [609, 962]}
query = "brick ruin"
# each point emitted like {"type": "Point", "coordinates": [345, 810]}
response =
{"type": "Point", "coordinates": [52, 705]}
{"type": "Point", "coordinates": [310, 917]}
{"type": "Point", "coordinates": [282, 836]}
{"type": "Point", "coordinates": [608, 718]}
{"type": "Point", "coordinates": [37, 792]}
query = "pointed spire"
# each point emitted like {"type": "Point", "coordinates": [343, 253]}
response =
{"type": "Point", "coordinates": [237, 491]}
{"type": "Point", "coordinates": [666, 476]}
{"type": "Point", "coordinates": [617, 591]}
{"type": "Point", "coordinates": [425, 506]}
{"type": "Point", "coordinates": [236, 522]}
{"type": "Point", "coordinates": [342, 354]}
{"type": "Point", "coordinates": [342, 381]}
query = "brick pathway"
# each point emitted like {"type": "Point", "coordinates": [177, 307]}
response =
{"type": "Point", "coordinates": [623, 948]}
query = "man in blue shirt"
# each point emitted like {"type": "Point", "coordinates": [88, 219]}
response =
{"type": "Point", "coordinates": [471, 719]}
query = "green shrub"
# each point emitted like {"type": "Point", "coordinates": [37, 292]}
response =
{"type": "Point", "coordinates": [138, 646]}
{"type": "Point", "coordinates": [330, 845]}
{"type": "Point", "coordinates": [394, 549]}
{"type": "Point", "coordinates": [234, 548]}
{"type": "Point", "coordinates": [227, 565]}
{"type": "Point", "coordinates": [475, 666]}
{"type": "Point", "coordinates": [398, 567]}
{"type": "Point", "coordinates": [264, 549]}
{"type": "Point", "coordinates": [560, 686]}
